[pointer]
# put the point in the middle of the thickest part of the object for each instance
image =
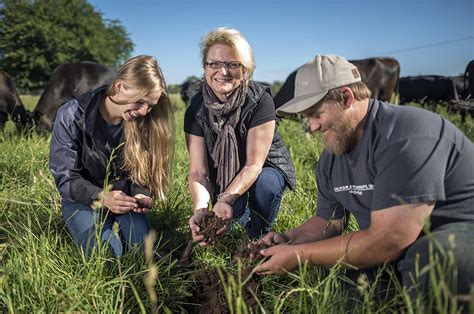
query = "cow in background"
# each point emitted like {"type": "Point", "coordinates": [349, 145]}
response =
{"type": "Point", "coordinates": [469, 80]}
{"type": "Point", "coordinates": [465, 105]}
{"type": "Point", "coordinates": [427, 89]}
{"type": "Point", "coordinates": [189, 88]}
{"type": "Point", "coordinates": [381, 76]}
{"type": "Point", "coordinates": [11, 104]}
{"type": "Point", "coordinates": [68, 80]}
{"type": "Point", "coordinates": [459, 83]}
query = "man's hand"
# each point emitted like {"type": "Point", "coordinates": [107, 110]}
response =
{"type": "Point", "coordinates": [283, 258]}
{"type": "Point", "coordinates": [144, 203]}
{"type": "Point", "coordinates": [194, 222]}
{"type": "Point", "coordinates": [274, 238]}
{"type": "Point", "coordinates": [270, 239]}
{"type": "Point", "coordinates": [224, 211]}
{"type": "Point", "coordinates": [119, 203]}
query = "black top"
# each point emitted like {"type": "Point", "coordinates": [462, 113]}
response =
{"type": "Point", "coordinates": [111, 134]}
{"type": "Point", "coordinates": [257, 110]}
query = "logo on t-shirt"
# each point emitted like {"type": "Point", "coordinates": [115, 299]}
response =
{"type": "Point", "coordinates": [354, 189]}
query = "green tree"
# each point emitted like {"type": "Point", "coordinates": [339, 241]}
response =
{"type": "Point", "coordinates": [38, 35]}
{"type": "Point", "coordinates": [174, 88]}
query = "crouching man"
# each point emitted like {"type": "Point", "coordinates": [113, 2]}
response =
{"type": "Point", "coordinates": [406, 175]}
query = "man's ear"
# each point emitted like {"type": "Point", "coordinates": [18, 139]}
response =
{"type": "Point", "coordinates": [349, 97]}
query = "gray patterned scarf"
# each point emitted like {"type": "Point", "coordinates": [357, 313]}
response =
{"type": "Point", "coordinates": [223, 118]}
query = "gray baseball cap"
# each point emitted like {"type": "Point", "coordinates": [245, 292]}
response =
{"type": "Point", "coordinates": [314, 79]}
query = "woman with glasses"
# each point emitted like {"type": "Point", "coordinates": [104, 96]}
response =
{"type": "Point", "coordinates": [110, 153]}
{"type": "Point", "coordinates": [238, 163]}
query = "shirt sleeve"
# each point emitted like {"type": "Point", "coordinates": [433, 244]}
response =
{"type": "Point", "coordinates": [264, 112]}
{"type": "Point", "coordinates": [410, 171]}
{"type": "Point", "coordinates": [65, 158]}
{"type": "Point", "coordinates": [327, 206]}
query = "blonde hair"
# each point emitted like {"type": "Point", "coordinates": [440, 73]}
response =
{"type": "Point", "coordinates": [234, 39]}
{"type": "Point", "coordinates": [149, 140]}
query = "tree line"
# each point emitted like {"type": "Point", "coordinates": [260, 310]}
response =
{"type": "Point", "coordinates": [38, 35]}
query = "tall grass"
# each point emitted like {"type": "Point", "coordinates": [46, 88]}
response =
{"type": "Point", "coordinates": [41, 270]}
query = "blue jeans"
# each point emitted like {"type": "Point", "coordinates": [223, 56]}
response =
{"type": "Point", "coordinates": [86, 225]}
{"type": "Point", "coordinates": [256, 210]}
{"type": "Point", "coordinates": [453, 239]}
{"type": "Point", "coordinates": [416, 272]}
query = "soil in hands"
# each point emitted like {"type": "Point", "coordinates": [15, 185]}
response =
{"type": "Point", "coordinates": [209, 227]}
{"type": "Point", "coordinates": [249, 252]}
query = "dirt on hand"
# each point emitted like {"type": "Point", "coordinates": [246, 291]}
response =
{"type": "Point", "coordinates": [249, 252]}
{"type": "Point", "coordinates": [209, 227]}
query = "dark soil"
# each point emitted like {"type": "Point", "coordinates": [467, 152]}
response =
{"type": "Point", "coordinates": [143, 204]}
{"type": "Point", "coordinates": [210, 296]}
{"type": "Point", "coordinates": [209, 227]}
{"type": "Point", "coordinates": [249, 252]}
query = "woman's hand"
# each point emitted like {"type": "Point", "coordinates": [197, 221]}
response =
{"type": "Point", "coordinates": [224, 211]}
{"type": "Point", "coordinates": [144, 203]}
{"type": "Point", "coordinates": [194, 222]}
{"type": "Point", "coordinates": [119, 203]}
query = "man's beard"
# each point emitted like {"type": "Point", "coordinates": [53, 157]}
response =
{"type": "Point", "coordinates": [345, 136]}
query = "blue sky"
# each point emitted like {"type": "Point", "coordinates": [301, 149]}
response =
{"type": "Point", "coordinates": [425, 36]}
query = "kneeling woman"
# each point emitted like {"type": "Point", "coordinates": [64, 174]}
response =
{"type": "Point", "coordinates": [119, 136]}
{"type": "Point", "coordinates": [237, 160]}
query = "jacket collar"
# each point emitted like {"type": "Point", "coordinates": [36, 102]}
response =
{"type": "Point", "coordinates": [89, 102]}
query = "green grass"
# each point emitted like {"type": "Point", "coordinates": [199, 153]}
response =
{"type": "Point", "coordinates": [41, 270]}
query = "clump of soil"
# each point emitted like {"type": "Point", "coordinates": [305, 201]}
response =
{"type": "Point", "coordinates": [249, 252]}
{"type": "Point", "coordinates": [210, 293]}
{"type": "Point", "coordinates": [209, 227]}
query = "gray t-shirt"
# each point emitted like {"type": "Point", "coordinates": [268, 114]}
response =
{"type": "Point", "coordinates": [405, 155]}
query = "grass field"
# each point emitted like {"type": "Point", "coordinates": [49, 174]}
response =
{"type": "Point", "coordinates": [41, 270]}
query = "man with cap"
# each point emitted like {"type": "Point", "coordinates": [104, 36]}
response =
{"type": "Point", "coordinates": [405, 174]}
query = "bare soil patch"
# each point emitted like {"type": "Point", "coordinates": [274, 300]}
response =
{"type": "Point", "coordinates": [210, 296]}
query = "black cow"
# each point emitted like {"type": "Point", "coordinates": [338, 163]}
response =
{"type": "Point", "coordinates": [379, 74]}
{"type": "Point", "coordinates": [189, 88]}
{"type": "Point", "coordinates": [459, 83]}
{"type": "Point", "coordinates": [428, 89]}
{"type": "Point", "coordinates": [469, 80]}
{"type": "Point", "coordinates": [69, 80]}
{"type": "Point", "coordinates": [11, 104]}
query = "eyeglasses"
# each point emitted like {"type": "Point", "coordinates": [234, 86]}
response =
{"type": "Point", "coordinates": [231, 65]}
